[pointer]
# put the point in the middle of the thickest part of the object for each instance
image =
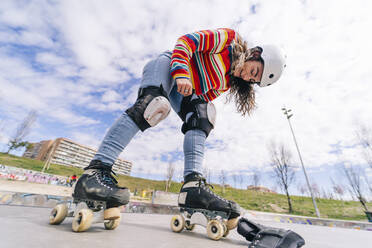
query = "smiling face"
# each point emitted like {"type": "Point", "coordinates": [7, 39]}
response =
{"type": "Point", "coordinates": [251, 71]}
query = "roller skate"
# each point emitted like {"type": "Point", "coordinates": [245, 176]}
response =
{"type": "Point", "coordinates": [200, 206]}
{"type": "Point", "coordinates": [96, 199]}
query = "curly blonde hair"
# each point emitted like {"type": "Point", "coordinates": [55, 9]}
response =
{"type": "Point", "coordinates": [241, 91]}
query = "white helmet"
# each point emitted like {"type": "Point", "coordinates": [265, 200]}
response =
{"type": "Point", "coordinates": [274, 63]}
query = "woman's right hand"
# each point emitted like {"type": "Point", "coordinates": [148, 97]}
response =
{"type": "Point", "coordinates": [184, 86]}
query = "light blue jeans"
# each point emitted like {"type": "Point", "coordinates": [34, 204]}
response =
{"type": "Point", "coordinates": [155, 73]}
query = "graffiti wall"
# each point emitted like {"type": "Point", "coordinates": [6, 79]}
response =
{"type": "Point", "coordinates": [18, 174]}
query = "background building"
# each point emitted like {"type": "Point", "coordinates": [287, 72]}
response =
{"type": "Point", "coordinates": [66, 152]}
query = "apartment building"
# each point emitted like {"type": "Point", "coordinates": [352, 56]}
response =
{"type": "Point", "coordinates": [66, 152]}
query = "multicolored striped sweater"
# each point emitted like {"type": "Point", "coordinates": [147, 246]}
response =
{"type": "Point", "coordinates": [204, 57]}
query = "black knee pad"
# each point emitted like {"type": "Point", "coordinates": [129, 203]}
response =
{"type": "Point", "coordinates": [152, 106]}
{"type": "Point", "coordinates": [203, 114]}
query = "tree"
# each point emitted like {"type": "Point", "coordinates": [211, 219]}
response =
{"type": "Point", "coordinates": [364, 137]}
{"type": "Point", "coordinates": [23, 129]}
{"type": "Point", "coordinates": [207, 174]}
{"type": "Point", "coordinates": [222, 178]}
{"type": "Point", "coordinates": [283, 170]}
{"type": "Point", "coordinates": [256, 178]}
{"type": "Point", "coordinates": [353, 176]}
{"type": "Point", "coordinates": [315, 189]}
{"type": "Point", "coordinates": [326, 194]}
{"type": "Point", "coordinates": [240, 180]}
{"type": "Point", "coordinates": [368, 182]}
{"type": "Point", "coordinates": [170, 173]}
{"type": "Point", "coordinates": [235, 179]}
{"type": "Point", "coordinates": [338, 189]}
{"type": "Point", "coordinates": [302, 188]}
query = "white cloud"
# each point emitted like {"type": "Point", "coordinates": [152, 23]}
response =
{"type": "Point", "coordinates": [110, 96]}
{"type": "Point", "coordinates": [90, 56]}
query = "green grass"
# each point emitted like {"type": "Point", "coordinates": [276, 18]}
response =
{"type": "Point", "coordinates": [248, 199]}
{"type": "Point", "coordinates": [37, 165]}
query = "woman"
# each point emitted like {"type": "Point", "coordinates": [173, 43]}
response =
{"type": "Point", "coordinates": [202, 66]}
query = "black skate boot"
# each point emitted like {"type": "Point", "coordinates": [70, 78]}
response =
{"type": "Point", "coordinates": [97, 183]}
{"type": "Point", "coordinates": [196, 193]}
{"type": "Point", "coordinates": [200, 206]}
{"type": "Point", "coordinates": [96, 199]}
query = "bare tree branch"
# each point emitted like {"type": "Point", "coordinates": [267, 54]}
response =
{"type": "Point", "coordinates": [207, 173]}
{"type": "Point", "coordinates": [353, 175]}
{"type": "Point", "coordinates": [240, 180]}
{"type": "Point", "coordinates": [338, 189]}
{"type": "Point", "coordinates": [368, 182]}
{"type": "Point", "coordinates": [222, 178]}
{"type": "Point", "coordinates": [364, 137]}
{"type": "Point", "coordinates": [315, 189]}
{"type": "Point", "coordinates": [256, 178]}
{"type": "Point", "coordinates": [283, 170]}
{"type": "Point", "coordinates": [235, 179]}
{"type": "Point", "coordinates": [22, 131]}
{"type": "Point", "coordinates": [169, 175]}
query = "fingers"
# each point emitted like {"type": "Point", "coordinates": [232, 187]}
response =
{"type": "Point", "coordinates": [181, 88]}
{"type": "Point", "coordinates": [184, 86]}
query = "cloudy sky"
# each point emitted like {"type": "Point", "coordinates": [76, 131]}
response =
{"type": "Point", "coordinates": [78, 64]}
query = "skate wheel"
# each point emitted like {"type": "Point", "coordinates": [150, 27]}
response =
{"type": "Point", "coordinates": [226, 230]}
{"type": "Point", "coordinates": [188, 226]}
{"type": "Point", "coordinates": [215, 230]}
{"type": "Point", "coordinates": [111, 214]}
{"type": "Point", "coordinates": [58, 214]}
{"type": "Point", "coordinates": [82, 220]}
{"type": "Point", "coordinates": [177, 223]}
{"type": "Point", "coordinates": [232, 223]}
{"type": "Point", "coordinates": [112, 224]}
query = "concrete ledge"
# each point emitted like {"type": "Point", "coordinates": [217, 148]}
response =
{"type": "Point", "coordinates": [283, 218]}
{"type": "Point", "coordinates": [32, 200]}
{"type": "Point", "coordinates": [49, 201]}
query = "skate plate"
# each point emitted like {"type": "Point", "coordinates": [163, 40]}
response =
{"type": "Point", "coordinates": [216, 222]}
{"type": "Point", "coordinates": [85, 213]}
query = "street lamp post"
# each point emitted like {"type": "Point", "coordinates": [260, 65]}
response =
{"type": "Point", "coordinates": [288, 114]}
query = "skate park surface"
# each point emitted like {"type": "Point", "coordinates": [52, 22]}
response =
{"type": "Point", "coordinates": [23, 226]}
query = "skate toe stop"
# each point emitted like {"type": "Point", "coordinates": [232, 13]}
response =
{"type": "Point", "coordinates": [232, 223]}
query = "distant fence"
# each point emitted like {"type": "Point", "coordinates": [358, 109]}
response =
{"type": "Point", "coordinates": [18, 174]}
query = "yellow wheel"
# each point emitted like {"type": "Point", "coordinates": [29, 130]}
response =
{"type": "Point", "coordinates": [58, 214]}
{"type": "Point", "coordinates": [232, 223]}
{"type": "Point", "coordinates": [215, 230]}
{"type": "Point", "coordinates": [177, 223]}
{"type": "Point", "coordinates": [112, 214]}
{"type": "Point", "coordinates": [188, 226]}
{"type": "Point", "coordinates": [112, 224]}
{"type": "Point", "coordinates": [82, 220]}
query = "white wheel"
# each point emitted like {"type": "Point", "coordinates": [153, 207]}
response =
{"type": "Point", "coordinates": [232, 223]}
{"type": "Point", "coordinates": [188, 226]}
{"type": "Point", "coordinates": [58, 214]}
{"type": "Point", "coordinates": [177, 223]}
{"type": "Point", "coordinates": [215, 230]}
{"type": "Point", "coordinates": [112, 224]}
{"type": "Point", "coordinates": [82, 220]}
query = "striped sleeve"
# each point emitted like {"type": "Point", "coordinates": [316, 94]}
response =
{"type": "Point", "coordinates": [205, 41]}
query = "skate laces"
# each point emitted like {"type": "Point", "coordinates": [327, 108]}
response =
{"type": "Point", "coordinates": [203, 184]}
{"type": "Point", "coordinates": [203, 181]}
{"type": "Point", "coordinates": [107, 177]}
